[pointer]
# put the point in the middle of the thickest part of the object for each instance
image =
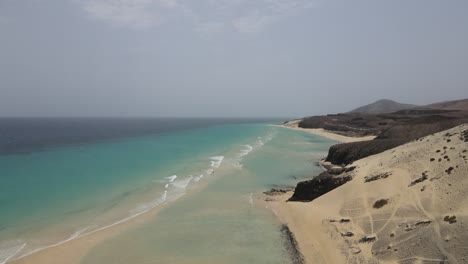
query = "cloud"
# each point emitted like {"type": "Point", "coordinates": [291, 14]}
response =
{"type": "Point", "coordinates": [251, 23]}
{"type": "Point", "coordinates": [270, 11]}
{"type": "Point", "coordinates": [205, 28]}
{"type": "Point", "coordinates": [130, 13]}
{"type": "Point", "coordinates": [205, 16]}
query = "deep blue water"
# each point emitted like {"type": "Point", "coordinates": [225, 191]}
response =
{"type": "Point", "coordinates": [24, 135]}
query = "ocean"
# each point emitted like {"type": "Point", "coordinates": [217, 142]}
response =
{"type": "Point", "coordinates": [61, 179]}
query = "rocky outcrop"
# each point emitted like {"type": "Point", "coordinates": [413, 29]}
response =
{"type": "Point", "coordinates": [348, 152]}
{"type": "Point", "coordinates": [307, 191]}
{"type": "Point", "coordinates": [390, 138]}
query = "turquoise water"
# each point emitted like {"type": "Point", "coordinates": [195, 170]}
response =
{"type": "Point", "coordinates": [207, 176]}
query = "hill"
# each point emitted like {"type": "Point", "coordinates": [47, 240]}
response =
{"type": "Point", "coordinates": [382, 106]}
{"type": "Point", "coordinates": [450, 105]}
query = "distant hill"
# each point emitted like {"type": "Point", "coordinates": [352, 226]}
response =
{"type": "Point", "coordinates": [450, 105]}
{"type": "Point", "coordinates": [382, 106]}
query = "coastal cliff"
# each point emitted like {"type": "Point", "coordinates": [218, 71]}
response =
{"type": "Point", "coordinates": [405, 204]}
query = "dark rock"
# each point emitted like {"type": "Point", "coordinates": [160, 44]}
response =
{"type": "Point", "coordinates": [380, 203]}
{"type": "Point", "coordinates": [307, 191]}
{"type": "Point", "coordinates": [423, 223]}
{"type": "Point", "coordinates": [392, 130]}
{"type": "Point", "coordinates": [449, 170]}
{"type": "Point", "coordinates": [418, 180]}
{"type": "Point", "coordinates": [465, 135]}
{"type": "Point", "coordinates": [367, 239]}
{"type": "Point", "coordinates": [291, 245]}
{"type": "Point", "coordinates": [450, 219]}
{"type": "Point", "coordinates": [346, 153]}
{"type": "Point", "coordinates": [275, 191]}
{"type": "Point", "coordinates": [377, 177]}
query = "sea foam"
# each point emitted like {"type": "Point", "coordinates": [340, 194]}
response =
{"type": "Point", "coordinates": [216, 161]}
{"type": "Point", "coordinates": [171, 178]}
{"type": "Point", "coordinates": [174, 187]}
{"type": "Point", "coordinates": [10, 249]}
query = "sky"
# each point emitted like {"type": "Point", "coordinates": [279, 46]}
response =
{"type": "Point", "coordinates": [228, 58]}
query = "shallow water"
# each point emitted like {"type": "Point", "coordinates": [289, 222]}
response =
{"type": "Point", "coordinates": [222, 222]}
{"type": "Point", "coordinates": [205, 175]}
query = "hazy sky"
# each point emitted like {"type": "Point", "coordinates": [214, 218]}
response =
{"type": "Point", "coordinates": [227, 57]}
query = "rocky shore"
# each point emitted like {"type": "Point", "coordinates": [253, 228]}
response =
{"type": "Point", "coordinates": [405, 204]}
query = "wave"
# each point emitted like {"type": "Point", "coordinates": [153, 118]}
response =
{"type": "Point", "coordinates": [174, 188]}
{"type": "Point", "coordinates": [182, 184]}
{"type": "Point", "coordinates": [75, 235]}
{"type": "Point", "coordinates": [10, 249]}
{"type": "Point", "coordinates": [216, 161]}
{"type": "Point", "coordinates": [246, 149]}
{"type": "Point", "coordinates": [198, 178]}
{"type": "Point", "coordinates": [171, 178]}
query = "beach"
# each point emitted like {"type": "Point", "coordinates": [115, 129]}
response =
{"type": "Point", "coordinates": [294, 124]}
{"type": "Point", "coordinates": [395, 199]}
{"type": "Point", "coordinates": [404, 205]}
{"type": "Point", "coordinates": [146, 224]}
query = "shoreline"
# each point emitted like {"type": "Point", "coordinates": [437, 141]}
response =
{"type": "Point", "coordinates": [370, 218]}
{"type": "Point", "coordinates": [325, 133]}
{"type": "Point", "coordinates": [307, 229]}
{"type": "Point", "coordinates": [73, 250]}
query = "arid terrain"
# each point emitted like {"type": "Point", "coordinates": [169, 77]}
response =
{"type": "Point", "coordinates": [395, 190]}
{"type": "Point", "coordinates": [404, 205]}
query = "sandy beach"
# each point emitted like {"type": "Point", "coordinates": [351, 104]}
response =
{"type": "Point", "coordinates": [73, 251]}
{"type": "Point", "coordinates": [324, 133]}
{"type": "Point", "coordinates": [405, 205]}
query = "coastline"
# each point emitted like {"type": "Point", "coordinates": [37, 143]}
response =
{"type": "Point", "coordinates": [73, 251]}
{"type": "Point", "coordinates": [324, 133]}
{"type": "Point", "coordinates": [379, 217]}
{"type": "Point", "coordinates": [305, 223]}
{"type": "Point", "coordinates": [76, 249]}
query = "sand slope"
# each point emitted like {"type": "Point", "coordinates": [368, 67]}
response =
{"type": "Point", "coordinates": [405, 205]}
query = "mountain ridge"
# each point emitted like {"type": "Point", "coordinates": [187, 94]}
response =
{"type": "Point", "coordinates": [382, 106]}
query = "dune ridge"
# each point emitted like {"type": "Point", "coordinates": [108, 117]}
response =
{"type": "Point", "coordinates": [404, 205]}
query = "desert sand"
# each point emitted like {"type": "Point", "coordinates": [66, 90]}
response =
{"type": "Point", "coordinates": [405, 205]}
{"type": "Point", "coordinates": [324, 133]}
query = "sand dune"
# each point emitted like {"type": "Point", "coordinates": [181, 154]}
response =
{"type": "Point", "coordinates": [405, 205]}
